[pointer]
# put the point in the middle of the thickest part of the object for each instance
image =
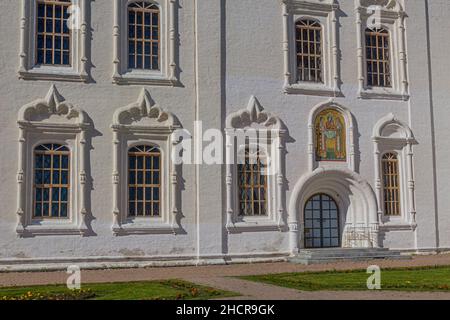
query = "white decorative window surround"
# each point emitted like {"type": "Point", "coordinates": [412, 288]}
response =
{"type": "Point", "coordinates": [52, 120]}
{"type": "Point", "coordinates": [349, 133]}
{"type": "Point", "coordinates": [29, 70]}
{"type": "Point", "coordinates": [392, 135]}
{"type": "Point", "coordinates": [323, 11]}
{"type": "Point", "coordinates": [270, 132]}
{"type": "Point", "coordinates": [392, 18]}
{"type": "Point", "coordinates": [167, 75]}
{"type": "Point", "coordinates": [143, 123]}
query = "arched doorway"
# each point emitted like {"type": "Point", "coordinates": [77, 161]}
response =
{"type": "Point", "coordinates": [321, 218]}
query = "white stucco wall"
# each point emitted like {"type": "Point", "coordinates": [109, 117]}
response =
{"type": "Point", "coordinates": [230, 50]}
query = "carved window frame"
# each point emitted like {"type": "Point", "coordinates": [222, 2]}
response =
{"type": "Point", "coordinates": [392, 19]}
{"type": "Point", "coordinates": [52, 120]}
{"type": "Point", "coordinates": [391, 135]}
{"type": "Point", "coordinates": [28, 70]}
{"type": "Point", "coordinates": [324, 12]}
{"type": "Point", "coordinates": [128, 132]}
{"type": "Point", "coordinates": [168, 74]}
{"type": "Point", "coordinates": [270, 138]}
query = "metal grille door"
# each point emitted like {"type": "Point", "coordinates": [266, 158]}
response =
{"type": "Point", "coordinates": [321, 222]}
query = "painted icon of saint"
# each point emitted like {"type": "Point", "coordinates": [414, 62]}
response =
{"type": "Point", "coordinates": [330, 136]}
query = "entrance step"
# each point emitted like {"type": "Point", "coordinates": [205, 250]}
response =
{"type": "Point", "coordinates": [315, 256]}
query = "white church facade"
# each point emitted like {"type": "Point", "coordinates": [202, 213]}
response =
{"type": "Point", "coordinates": [346, 99]}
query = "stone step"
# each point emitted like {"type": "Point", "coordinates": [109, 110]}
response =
{"type": "Point", "coordinates": [345, 250]}
{"type": "Point", "coordinates": [310, 256]}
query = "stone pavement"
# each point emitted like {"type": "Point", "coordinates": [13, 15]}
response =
{"type": "Point", "coordinates": [220, 277]}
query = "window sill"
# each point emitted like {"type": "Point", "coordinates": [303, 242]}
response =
{"type": "Point", "coordinates": [312, 90]}
{"type": "Point", "coordinates": [382, 94]}
{"type": "Point", "coordinates": [50, 230]}
{"type": "Point", "coordinates": [43, 74]}
{"type": "Point", "coordinates": [131, 79]}
{"type": "Point", "coordinates": [144, 227]}
{"type": "Point", "coordinates": [255, 225]}
{"type": "Point", "coordinates": [398, 225]}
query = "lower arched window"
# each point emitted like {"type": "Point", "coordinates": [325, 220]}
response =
{"type": "Point", "coordinates": [144, 181]}
{"type": "Point", "coordinates": [391, 184]}
{"type": "Point", "coordinates": [51, 181]}
{"type": "Point", "coordinates": [252, 179]}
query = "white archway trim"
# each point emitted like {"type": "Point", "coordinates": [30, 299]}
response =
{"type": "Point", "coordinates": [392, 135]}
{"type": "Point", "coordinates": [392, 17]}
{"type": "Point", "coordinates": [355, 197]}
{"type": "Point", "coordinates": [390, 122]}
{"type": "Point", "coordinates": [52, 120]}
{"type": "Point", "coordinates": [349, 133]}
{"type": "Point", "coordinates": [266, 131]}
{"type": "Point", "coordinates": [143, 122]}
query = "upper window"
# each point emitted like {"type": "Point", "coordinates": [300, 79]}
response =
{"type": "Point", "coordinates": [330, 136]}
{"type": "Point", "coordinates": [145, 39]}
{"type": "Point", "coordinates": [52, 32]}
{"type": "Point", "coordinates": [144, 181]}
{"type": "Point", "coordinates": [54, 37]}
{"type": "Point", "coordinates": [309, 50]}
{"type": "Point", "coordinates": [391, 184]}
{"type": "Point", "coordinates": [381, 50]}
{"type": "Point", "coordinates": [252, 178]}
{"type": "Point", "coordinates": [310, 47]}
{"type": "Point", "coordinates": [378, 65]}
{"type": "Point", "coordinates": [143, 36]}
{"type": "Point", "coordinates": [51, 181]}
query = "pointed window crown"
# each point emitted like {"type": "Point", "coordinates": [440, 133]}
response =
{"type": "Point", "coordinates": [254, 115]}
{"type": "Point", "coordinates": [144, 109]}
{"type": "Point", "coordinates": [52, 105]}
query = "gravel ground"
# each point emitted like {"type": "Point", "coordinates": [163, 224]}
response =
{"type": "Point", "coordinates": [219, 277]}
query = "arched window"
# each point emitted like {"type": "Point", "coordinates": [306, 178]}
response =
{"type": "Point", "coordinates": [143, 36]}
{"type": "Point", "coordinates": [252, 179]}
{"type": "Point", "coordinates": [378, 65]}
{"type": "Point", "coordinates": [391, 184]}
{"type": "Point", "coordinates": [144, 181]}
{"type": "Point", "coordinates": [53, 36]}
{"type": "Point", "coordinates": [330, 136]}
{"type": "Point", "coordinates": [51, 181]}
{"type": "Point", "coordinates": [321, 222]}
{"type": "Point", "coordinates": [309, 50]}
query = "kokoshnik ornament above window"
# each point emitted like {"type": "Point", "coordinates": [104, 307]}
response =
{"type": "Point", "coordinates": [330, 136]}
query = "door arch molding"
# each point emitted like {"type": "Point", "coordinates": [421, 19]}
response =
{"type": "Point", "coordinates": [354, 196]}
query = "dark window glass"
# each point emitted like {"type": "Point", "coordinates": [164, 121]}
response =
{"type": "Point", "coordinates": [143, 187]}
{"type": "Point", "coordinates": [309, 50]}
{"type": "Point", "coordinates": [52, 28]}
{"type": "Point", "coordinates": [378, 68]}
{"type": "Point", "coordinates": [143, 34]}
{"type": "Point", "coordinates": [51, 181]}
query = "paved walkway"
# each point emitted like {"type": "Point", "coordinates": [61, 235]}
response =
{"type": "Point", "coordinates": [221, 277]}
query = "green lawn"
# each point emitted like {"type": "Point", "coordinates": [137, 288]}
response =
{"type": "Point", "coordinates": [148, 290]}
{"type": "Point", "coordinates": [406, 279]}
